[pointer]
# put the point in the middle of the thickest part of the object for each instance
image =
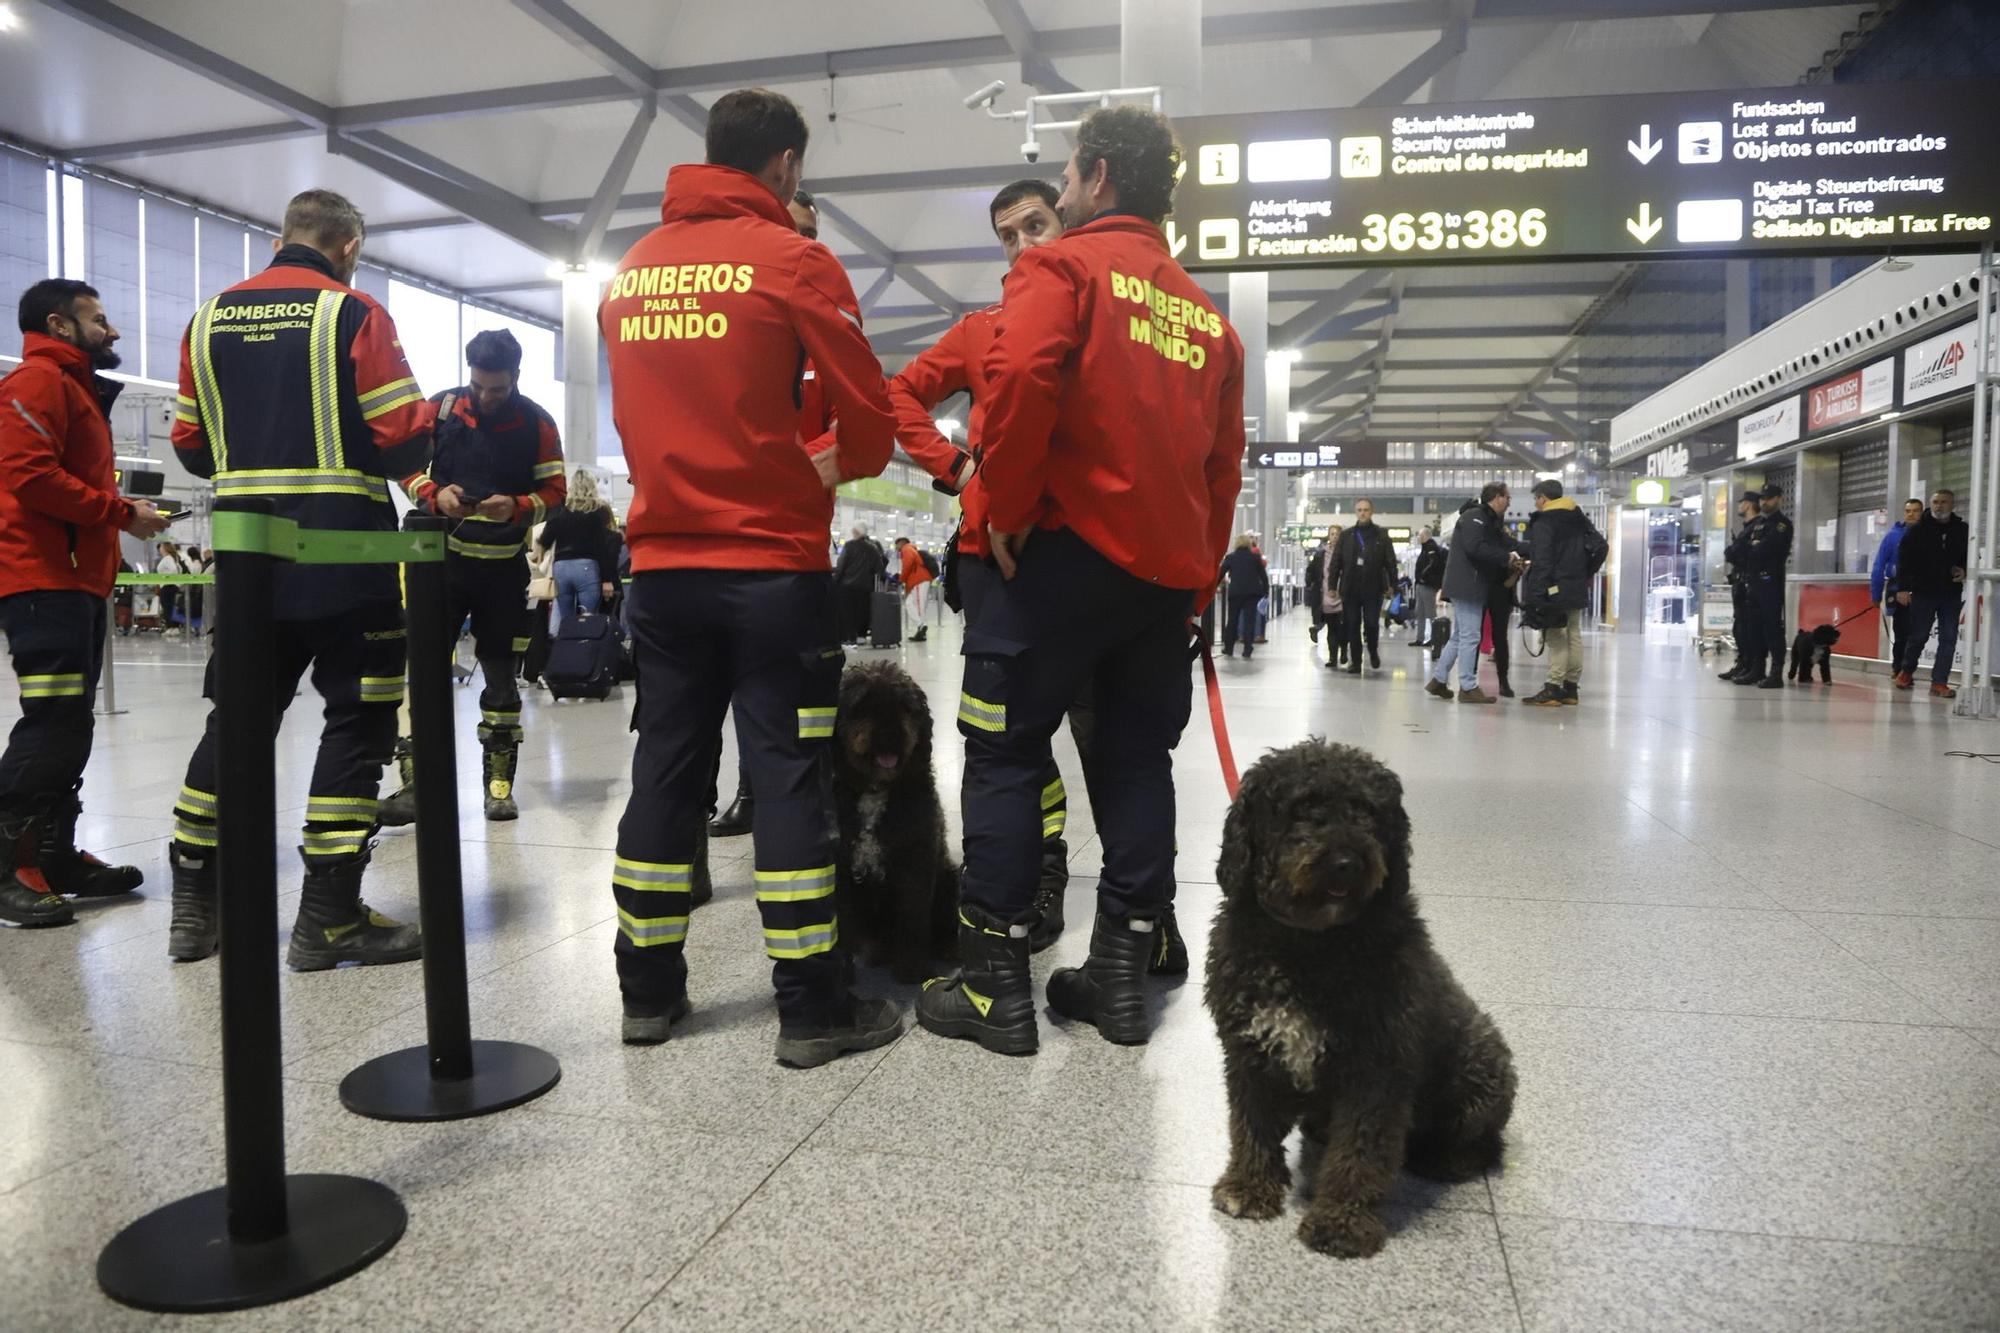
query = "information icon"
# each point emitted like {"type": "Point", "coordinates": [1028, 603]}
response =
{"type": "Point", "coordinates": [1361, 155]}
{"type": "Point", "coordinates": [1701, 141]}
{"type": "Point", "coordinates": [1221, 163]}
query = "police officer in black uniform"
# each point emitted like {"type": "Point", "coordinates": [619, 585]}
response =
{"type": "Point", "coordinates": [498, 471]}
{"type": "Point", "coordinates": [1739, 596]}
{"type": "Point", "coordinates": [1767, 548]}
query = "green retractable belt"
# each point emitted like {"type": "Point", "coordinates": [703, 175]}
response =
{"type": "Point", "coordinates": [284, 539]}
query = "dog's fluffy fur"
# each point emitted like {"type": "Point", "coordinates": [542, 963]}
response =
{"type": "Point", "coordinates": [1335, 1012]}
{"type": "Point", "coordinates": [1813, 648]}
{"type": "Point", "coordinates": [897, 889]}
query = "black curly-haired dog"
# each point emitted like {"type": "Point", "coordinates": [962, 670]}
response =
{"type": "Point", "coordinates": [1335, 1012]}
{"type": "Point", "coordinates": [1813, 648]}
{"type": "Point", "coordinates": [896, 886]}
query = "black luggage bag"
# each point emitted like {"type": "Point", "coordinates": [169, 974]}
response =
{"type": "Point", "coordinates": [583, 658]}
{"type": "Point", "coordinates": [885, 618]}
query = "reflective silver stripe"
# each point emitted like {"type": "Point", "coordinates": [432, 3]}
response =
{"type": "Point", "coordinates": [332, 809]}
{"type": "Point", "coordinates": [194, 834]}
{"type": "Point", "coordinates": [324, 354]}
{"type": "Point", "coordinates": [194, 802]}
{"type": "Point", "coordinates": [481, 550]}
{"type": "Point", "coordinates": [552, 468]}
{"type": "Point", "coordinates": [649, 930]}
{"type": "Point", "coordinates": [202, 361]}
{"type": "Point", "coordinates": [801, 943]}
{"type": "Point", "coordinates": [815, 722]}
{"type": "Point", "coordinates": [978, 713]}
{"type": "Point", "coordinates": [302, 481]}
{"type": "Point", "coordinates": [792, 886]}
{"type": "Point", "coordinates": [654, 876]}
{"type": "Point", "coordinates": [388, 397]}
{"type": "Point", "coordinates": [33, 424]}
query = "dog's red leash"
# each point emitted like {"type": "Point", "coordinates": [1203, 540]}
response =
{"type": "Point", "coordinates": [1218, 722]}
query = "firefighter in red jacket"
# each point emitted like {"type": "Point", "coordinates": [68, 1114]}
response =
{"type": "Point", "coordinates": [60, 516]}
{"type": "Point", "coordinates": [294, 387]}
{"type": "Point", "coordinates": [816, 434]}
{"type": "Point", "coordinates": [1023, 216]}
{"type": "Point", "coordinates": [497, 472]}
{"type": "Point", "coordinates": [1111, 375]}
{"type": "Point", "coordinates": [708, 324]}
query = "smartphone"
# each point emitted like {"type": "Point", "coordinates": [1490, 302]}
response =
{"type": "Point", "coordinates": [177, 517]}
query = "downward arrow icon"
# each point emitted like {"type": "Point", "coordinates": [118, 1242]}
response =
{"type": "Point", "coordinates": [1175, 241]}
{"type": "Point", "coordinates": [1647, 148]}
{"type": "Point", "coordinates": [1646, 226]}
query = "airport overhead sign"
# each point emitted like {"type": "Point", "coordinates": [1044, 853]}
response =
{"type": "Point", "coordinates": [1860, 168]}
{"type": "Point", "coordinates": [1318, 457]}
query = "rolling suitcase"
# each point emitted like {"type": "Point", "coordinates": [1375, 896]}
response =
{"type": "Point", "coordinates": [583, 658]}
{"type": "Point", "coordinates": [885, 618]}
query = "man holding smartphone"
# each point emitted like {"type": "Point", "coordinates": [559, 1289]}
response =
{"type": "Point", "coordinates": [60, 516]}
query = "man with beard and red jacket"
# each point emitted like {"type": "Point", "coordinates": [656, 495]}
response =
{"type": "Point", "coordinates": [1023, 216]}
{"type": "Point", "coordinates": [709, 323]}
{"type": "Point", "coordinates": [1112, 442]}
{"type": "Point", "coordinates": [60, 516]}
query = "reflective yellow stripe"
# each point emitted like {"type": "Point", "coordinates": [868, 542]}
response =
{"type": "Point", "coordinates": [57, 686]}
{"type": "Point", "coordinates": [377, 404]}
{"type": "Point", "coordinates": [335, 840]}
{"type": "Point", "coordinates": [482, 550]}
{"type": "Point", "coordinates": [193, 834]}
{"type": "Point", "coordinates": [202, 361]}
{"type": "Point", "coordinates": [339, 809]}
{"type": "Point", "coordinates": [198, 803]}
{"type": "Point", "coordinates": [522, 644]}
{"type": "Point", "coordinates": [302, 481]}
{"type": "Point", "coordinates": [552, 468]}
{"type": "Point", "coordinates": [1053, 825]}
{"type": "Point", "coordinates": [1053, 794]}
{"type": "Point", "coordinates": [802, 943]}
{"type": "Point", "coordinates": [381, 689]}
{"type": "Point", "coordinates": [541, 510]}
{"type": "Point", "coordinates": [794, 886]}
{"type": "Point", "coordinates": [978, 713]}
{"type": "Point", "coordinates": [647, 931]}
{"type": "Point", "coordinates": [651, 876]}
{"type": "Point", "coordinates": [183, 414]}
{"type": "Point", "coordinates": [324, 353]}
{"type": "Point", "coordinates": [815, 722]}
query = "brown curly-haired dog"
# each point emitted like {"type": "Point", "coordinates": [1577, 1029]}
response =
{"type": "Point", "coordinates": [1335, 1012]}
{"type": "Point", "coordinates": [896, 888]}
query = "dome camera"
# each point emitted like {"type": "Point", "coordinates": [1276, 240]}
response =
{"type": "Point", "coordinates": [1031, 151]}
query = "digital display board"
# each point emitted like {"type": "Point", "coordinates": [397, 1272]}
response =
{"type": "Point", "coordinates": [1865, 168]}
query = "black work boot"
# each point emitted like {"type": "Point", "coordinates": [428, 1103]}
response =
{"type": "Point", "coordinates": [737, 819]}
{"type": "Point", "coordinates": [1170, 952]}
{"type": "Point", "coordinates": [400, 809]}
{"type": "Point", "coordinates": [70, 871]}
{"type": "Point", "coordinates": [650, 1025]}
{"type": "Point", "coordinates": [1109, 990]}
{"type": "Point", "coordinates": [701, 885]}
{"type": "Point", "coordinates": [24, 896]}
{"type": "Point", "coordinates": [193, 933]}
{"type": "Point", "coordinates": [500, 758]}
{"type": "Point", "coordinates": [1047, 927]}
{"type": "Point", "coordinates": [851, 1024]}
{"type": "Point", "coordinates": [989, 999]}
{"type": "Point", "coordinates": [334, 926]}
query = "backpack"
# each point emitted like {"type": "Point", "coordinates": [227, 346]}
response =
{"type": "Point", "coordinates": [930, 562]}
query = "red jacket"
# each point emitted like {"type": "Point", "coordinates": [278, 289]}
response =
{"type": "Point", "coordinates": [60, 511]}
{"type": "Point", "coordinates": [913, 570]}
{"type": "Point", "coordinates": [1116, 404]}
{"type": "Point", "coordinates": [954, 363]}
{"type": "Point", "coordinates": [709, 323]}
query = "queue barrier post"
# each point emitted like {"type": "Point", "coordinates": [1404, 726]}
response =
{"type": "Point", "coordinates": [451, 1077]}
{"type": "Point", "coordinates": [263, 1236]}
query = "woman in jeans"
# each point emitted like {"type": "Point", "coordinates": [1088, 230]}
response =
{"type": "Point", "coordinates": [576, 532]}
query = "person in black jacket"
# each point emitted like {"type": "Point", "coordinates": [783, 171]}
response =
{"type": "Point", "coordinates": [1426, 577]}
{"type": "Point", "coordinates": [1248, 582]}
{"type": "Point", "coordinates": [1762, 553]}
{"type": "Point", "coordinates": [1364, 567]}
{"type": "Point", "coordinates": [1481, 552]}
{"type": "Point", "coordinates": [1315, 585]}
{"type": "Point", "coordinates": [860, 566]}
{"type": "Point", "coordinates": [1930, 581]}
{"type": "Point", "coordinates": [1743, 626]}
{"type": "Point", "coordinates": [1565, 551]}
{"type": "Point", "coordinates": [577, 533]}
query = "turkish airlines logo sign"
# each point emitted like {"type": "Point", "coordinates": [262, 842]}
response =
{"type": "Point", "coordinates": [1939, 365]}
{"type": "Point", "coordinates": [1852, 396]}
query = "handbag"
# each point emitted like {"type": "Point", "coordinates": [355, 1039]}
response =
{"type": "Point", "coordinates": [542, 588]}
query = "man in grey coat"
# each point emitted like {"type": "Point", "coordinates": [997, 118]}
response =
{"type": "Point", "coordinates": [1481, 554]}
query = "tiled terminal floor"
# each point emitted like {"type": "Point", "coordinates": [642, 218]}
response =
{"type": "Point", "coordinates": [1743, 944]}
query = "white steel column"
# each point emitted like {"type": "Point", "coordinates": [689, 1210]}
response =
{"type": "Point", "coordinates": [1250, 315]}
{"type": "Point", "coordinates": [580, 297]}
{"type": "Point", "coordinates": [1159, 45]}
{"type": "Point", "coordinates": [1982, 553]}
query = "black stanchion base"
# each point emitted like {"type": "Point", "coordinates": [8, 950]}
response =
{"type": "Point", "coordinates": [399, 1086]}
{"type": "Point", "coordinates": [182, 1259]}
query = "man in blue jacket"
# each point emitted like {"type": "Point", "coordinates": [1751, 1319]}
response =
{"type": "Point", "coordinates": [1882, 589]}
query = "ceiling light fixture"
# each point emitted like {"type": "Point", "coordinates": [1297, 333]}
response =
{"type": "Point", "coordinates": [9, 20]}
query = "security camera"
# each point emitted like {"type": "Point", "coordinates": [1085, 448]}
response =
{"type": "Point", "coordinates": [1031, 151]}
{"type": "Point", "coordinates": [985, 96]}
